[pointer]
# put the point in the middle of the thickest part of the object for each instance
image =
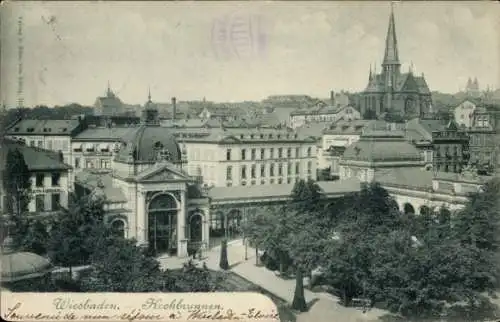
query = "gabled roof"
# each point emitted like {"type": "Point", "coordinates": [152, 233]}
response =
{"type": "Point", "coordinates": [36, 159]}
{"type": "Point", "coordinates": [44, 127]}
{"type": "Point", "coordinates": [101, 183]}
{"type": "Point", "coordinates": [163, 171]}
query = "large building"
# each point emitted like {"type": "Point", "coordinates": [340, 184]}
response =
{"type": "Point", "coordinates": [50, 178]}
{"type": "Point", "coordinates": [406, 94]}
{"type": "Point", "coordinates": [244, 157]}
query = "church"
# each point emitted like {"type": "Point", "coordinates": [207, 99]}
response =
{"type": "Point", "coordinates": [391, 90]}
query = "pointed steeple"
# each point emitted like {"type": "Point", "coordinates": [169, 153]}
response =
{"type": "Point", "coordinates": [391, 56]}
{"type": "Point", "coordinates": [149, 94]}
{"type": "Point", "coordinates": [109, 93]}
{"type": "Point", "coordinates": [370, 77]}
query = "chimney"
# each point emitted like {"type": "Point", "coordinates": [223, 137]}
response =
{"type": "Point", "coordinates": [174, 109]}
{"type": "Point", "coordinates": [332, 98]}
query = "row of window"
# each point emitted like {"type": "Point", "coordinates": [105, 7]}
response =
{"type": "Point", "coordinates": [41, 204]}
{"type": "Point", "coordinates": [55, 179]}
{"type": "Point", "coordinates": [56, 145]}
{"type": "Point", "coordinates": [262, 169]}
{"type": "Point", "coordinates": [279, 180]}
{"type": "Point", "coordinates": [93, 164]}
{"type": "Point", "coordinates": [278, 153]}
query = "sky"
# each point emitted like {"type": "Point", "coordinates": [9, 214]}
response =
{"type": "Point", "coordinates": [234, 51]}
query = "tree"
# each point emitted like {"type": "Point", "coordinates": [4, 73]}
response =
{"type": "Point", "coordinates": [121, 266]}
{"type": "Point", "coordinates": [36, 239]}
{"type": "Point", "coordinates": [305, 247]}
{"type": "Point", "coordinates": [224, 264]}
{"type": "Point", "coordinates": [17, 187]}
{"type": "Point", "coordinates": [77, 232]}
{"type": "Point", "coordinates": [306, 196]}
{"type": "Point", "coordinates": [194, 279]}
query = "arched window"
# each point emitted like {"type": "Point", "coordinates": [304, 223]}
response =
{"type": "Point", "coordinates": [408, 209]}
{"type": "Point", "coordinates": [118, 228]}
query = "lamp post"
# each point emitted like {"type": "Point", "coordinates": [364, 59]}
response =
{"type": "Point", "coordinates": [245, 241]}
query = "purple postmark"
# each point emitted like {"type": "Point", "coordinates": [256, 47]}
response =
{"type": "Point", "coordinates": [239, 36]}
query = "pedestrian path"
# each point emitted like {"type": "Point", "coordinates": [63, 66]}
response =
{"type": "Point", "coordinates": [326, 305]}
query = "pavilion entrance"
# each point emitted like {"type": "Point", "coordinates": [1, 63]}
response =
{"type": "Point", "coordinates": [162, 224]}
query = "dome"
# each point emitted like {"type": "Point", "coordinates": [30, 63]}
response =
{"type": "Point", "coordinates": [22, 265]}
{"type": "Point", "coordinates": [149, 144]}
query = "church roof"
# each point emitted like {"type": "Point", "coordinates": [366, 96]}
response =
{"type": "Point", "coordinates": [406, 82]}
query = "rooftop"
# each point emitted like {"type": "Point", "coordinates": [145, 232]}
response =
{"type": "Point", "coordinates": [280, 190]}
{"type": "Point", "coordinates": [102, 181]}
{"type": "Point", "coordinates": [44, 127]}
{"type": "Point", "coordinates": [36, 159]}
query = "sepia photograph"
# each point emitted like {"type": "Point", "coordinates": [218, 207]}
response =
{"type": "Point", "coordinates": [340, 159]}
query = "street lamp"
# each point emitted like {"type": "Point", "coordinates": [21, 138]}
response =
{"type": "Point", "coordinates": [245, 241]}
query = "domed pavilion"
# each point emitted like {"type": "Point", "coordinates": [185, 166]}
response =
{"type": "Point", "coordinates": [21, 266]}
{"type": "Point", "coordinates": [152, 198]}
{"type": "Point", "coordinates": [379, 152]}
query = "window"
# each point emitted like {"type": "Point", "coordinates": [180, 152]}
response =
{"type": "Point", "coordinates": [229, 184]}
{"type": "Point", "coordinates": [289, 153]}
{"type": "Point", "coordinates": [309, 167]}
{"type": "Point", "coordinates": [228, 154]}
{"type": "Point", "coordinates": [252, 182]}
{"type": "Point", "coordinates": [243, 172]}
{"type": "Point", "coordinates": [253, 171]}
{"type": "Point", "coordinates": [32, 143]}
{"type": "Point", "coordinates": [243, 183]}
{"type": "Point", "coordinates": [39, 179]}
{"type": "Point", "coordinates": [65, 146]}
{"type": "Point", "coordinates": [252, 154]}
{"type": "Point", "coordinates": [262, 181]}
{"type": "Point", "coordinates": [55, 179]}
{"type": "Point", "coordinates": [271, 153]}
{"type": "Point", "coordinates": [49, 144]}
{"type": "Point", "coordinates": [262, 170]}
{"type": "Point", "coordinates": [271, 169]}
{"type": "Point", "coordinates": [280, 169]}
{"type": "Point", "coordinates": [280, 180]}
{"type": "Point", "coordinates": [40, 202]}
{"type": "Point", "coordinates": [297, 152]}
{"type": "Point", "coordinates": [229, 173]}
{"type": "Point", "coordinates": [89, 164]}
{"type": "Point", "coordinates": [77, 163]}
{"type": "Point", "coordinates": [280, 153]}
{"type": "Point", "coordinates": [118, 228]}
{"type": "Point", "coordinates": [297, 168]}
{"type": "Point", "coordinates": [271, 181]}
{"type": "Point", "coordinates": [243, 154]}
{"type": "Point", "coordinates": [262, 153]}
{"type": "Point", "coordinates": [309, 150]}
{"type": "Point", "coordinates": [288, 180]}
{"type": "Point", "coordinates": [55, 201]}
{"type": "Point", "coordinates": [40, 144]}
{"type": "Point", "coordinates": [289, 169]}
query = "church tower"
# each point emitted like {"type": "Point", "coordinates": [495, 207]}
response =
{"type": "Point", "coordinates": [390, 64]}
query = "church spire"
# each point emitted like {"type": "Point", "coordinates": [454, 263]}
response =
{"type": "Point", "coordinates": [371, 75]}
{"type": "Point", "coordinates": [108, 92]}
{"type": "Point", "coordinates": [391, 56]}
{"type": "Point", "coordinates": [149, 94]}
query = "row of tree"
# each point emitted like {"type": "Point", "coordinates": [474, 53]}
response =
{"type": "Point", "coordinates": [417, 266]}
